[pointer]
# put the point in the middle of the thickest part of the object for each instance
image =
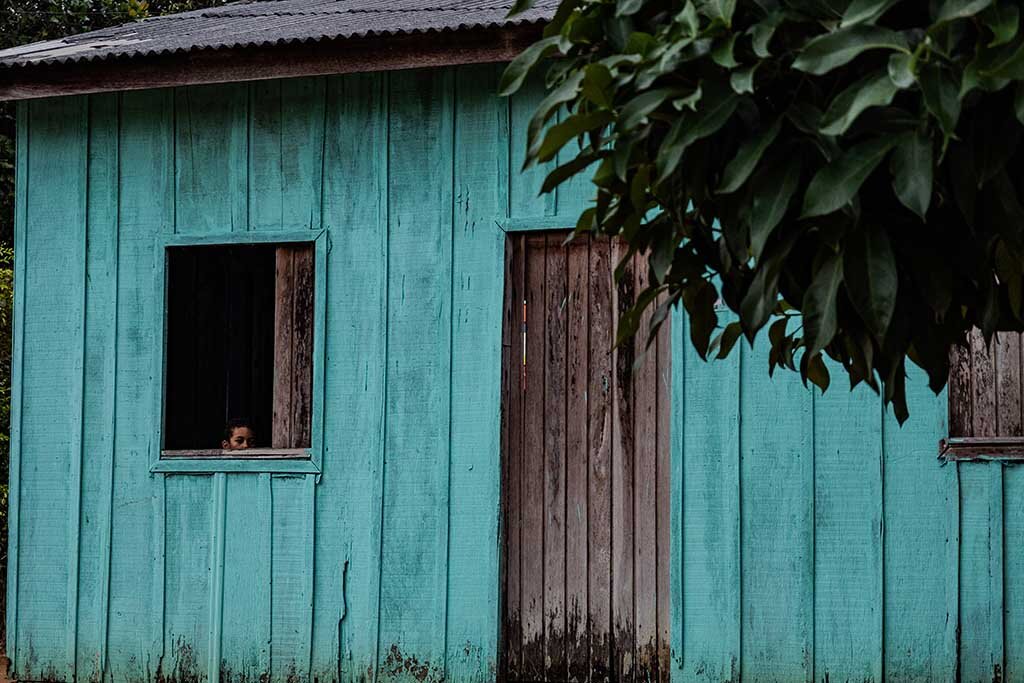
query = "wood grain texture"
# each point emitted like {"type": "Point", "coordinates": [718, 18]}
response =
{"type": "Point", "coordinates": [98, 406]}
{"type": "Point", "coordinates": [189, 538]}
{"type": "Point", "coordinates": [847, 535]}
{"type": "Point", "coordinates": [706, 531]}
{"type": "Point", "coordinates": [415, 525]}
{"type": "Point", "coordinates": [286, 147]}
{"type": "Point", "coordinates": [146, 209]}
{"type": "Point", "coordinates": [293, 346]}
{"type": "Point", "coordinates": [211, 169]}
{"type": "Point", "coordinates": [622, 482]}
{"type": "Point", "coordinates": [777, 522]}
{"type": "Point", "coordinates": [480, 168]}
{"type": "Point", "coordinates": [52, 367]}
{"type": "Point", "coordinates": [577, 551]}
{"type": "Point", "coordinates": [921, 517]}
{"type": "Point", "coordinates": [291, 577]}
{"type": "Point", "coordinates": [350, 494]}
{"type": "Point", "coordinates": [553, 361]}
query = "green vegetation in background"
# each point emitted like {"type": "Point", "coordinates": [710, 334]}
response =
{"type": "Point", "coordinates": [846, 173]}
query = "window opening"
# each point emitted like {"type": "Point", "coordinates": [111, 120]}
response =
{"type": "Point", "coordinates": [239, 350]}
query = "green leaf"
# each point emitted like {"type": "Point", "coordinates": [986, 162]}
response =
{"type": "Point", "coordinates": [636, 110]}
{"type": "Point", "coordinates": [719, 9]}
{"type": "Point", "coordinates": [760, 299]}
{"type": "Point", "coordinates": [547, 107]}
{"type": "Point", "coordinates": [824, 53]}
{"type": "Point", "coordinates": [690, 101]}
{"type": "Point", "coordinates": [749, 153]}
{"type": "Point", "coordinates": [865, 11]}
{"type": "Point", "coordinates": [901, 70]}
{"type": "Point", "coordinates": [721, 53]}
{"type": "Point", "coordinates": [821, 302]}
{"type": "Point", "coordinates": [742, 80]}
{"type": "Point", "coordinates": [911, 167]}
{"type": "Point", "coordinates": [518, 7]}
{"type": "Point", "coordinates": [836, 184]}
{"type": "Point", "coordinates": [728, 338]}
{"type": "Point", "coordinates": [761, 33]}
{"type": "Point", "coordinates": [941, 96]}
{"type": "Point", "coordinates": [688, 20]}
{"type": "Point", "coordinates": [952, 10]}
{"type": "Point", "coordinates": [561, 133]}
{"type": "Point", "coordinates": [773, 188]}
{"type": "Point", "coordinates": [625, 8]}
{"type": "Point", "coordinates": [812, 367]}
{"type": "Point", "coordinates": [517, 71]}
{"type": "Point", "coordinates": [597, 81]}
{"type": "Point", "coordinates": [699, 300]}
{"type": "Point", "coordinates": [562, 173]}
{"type": "Point", "coordinates": [871, 91]}
{"type": "Point", "coordinates": [869, 267]}
{"type": "Point", "coordinates": [718, 106]}
{"type": "Point", "coordinates": [1003, 19]}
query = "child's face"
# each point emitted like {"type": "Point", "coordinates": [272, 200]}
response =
{"type": "Point", "coordinates": [241, 438]}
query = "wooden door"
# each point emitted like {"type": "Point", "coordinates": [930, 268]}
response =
{"type": "Point", "coordinates": [586, 470]}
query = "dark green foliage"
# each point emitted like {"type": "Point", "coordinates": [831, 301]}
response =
{"type": "Point", "coordinates": [850, 167]}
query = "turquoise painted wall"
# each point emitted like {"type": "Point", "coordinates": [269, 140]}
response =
{"type": "Point", "coordinates": [811, 536]}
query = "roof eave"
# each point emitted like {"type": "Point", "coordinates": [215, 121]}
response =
{"type": "Point", "coordinates": [324, 57]}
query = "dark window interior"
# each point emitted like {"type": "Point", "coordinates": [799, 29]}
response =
{"type": "Point", "coordinates": [239, 344]}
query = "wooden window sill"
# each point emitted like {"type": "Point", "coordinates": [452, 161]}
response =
{"type": "Point", "coordinates": [972, 448]}
{"type": "Point", "coordinates": [272, 460]}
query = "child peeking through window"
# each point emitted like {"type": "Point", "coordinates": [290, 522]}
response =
{"type": "Point", "coordinates": [238, 435]}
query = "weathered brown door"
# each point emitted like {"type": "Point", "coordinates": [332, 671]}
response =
{"type": "Point", "coordinates": [586, 470]}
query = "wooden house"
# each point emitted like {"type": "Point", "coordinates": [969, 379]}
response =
{"type": "Point", "coordinates": [309, 213]}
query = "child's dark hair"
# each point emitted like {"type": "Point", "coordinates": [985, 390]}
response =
{"type": "Point", "coordinates": [234, 423]}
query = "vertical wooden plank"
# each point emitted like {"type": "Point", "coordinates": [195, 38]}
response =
{"type": "Point", "coordinates": [1013, 572]}
{"type": "Point", "coordinates": [981, 530]}
{"type": "Point", "coordinates": [706, 533]}
{"type": "Point", "coordinates": [645, 488]}
{"type": "Point", "coordinates": [291, 577]}
{"type": "Point", "coordinates": [577, 459]}
{"type": "Point", "coordinates": [137, 547]}
{"type": "Point", "coordinates": [981, 568]}
{"type": "Point", "coordinates": [525, 200]}
{"type": "Point", "coordinates": [286, 143]}
{"type": "Point", "coordinates": [554, 361]}
{"type": "Point", "coordinates": [847, 535]}
{"type": "Point", "coordinates": [1008, 384]}
{"type": "Point", "coordinates": [51, 369]}
{"type": "Point", "coordinates": [350, 492]}
{"type": "Point", "coordinates": [211, 158]}
{"type": "Point", "coordinates": [416, 470]}
{"type": "Point", "coordinates": [534, 416]}
{"type": "Point", "coordinates": [622, 460]}
{"type": "Point", "coordinates": [480, 181]}
{"type": "Point", "coordinates": [217, 542]}
{"type": "Point", "coordinates": [663, 494]}
{"type": "Point", "coordinates": [23, 120]}
{"type": "Point", "coordinates": [600, 384]}
{"type": "Point", "coordinates": [189, 539]}
{"type": "Point", "coordinates": [515, 453]}
{"type": "Point", "coordinates": [960, 390]}
{"type": "Point", "coordinates": [676, 484]}
{"type": "Point", "coordinates": [293, 346]}
{"type": "Point", "coordinates": [245, 645]}
{"type": "Point", "coordinates": [921, 543]}
{"type": "Point", "coordinates": [777, 485]}
{"type": "Point", "coordinates": [284, 344]}
{"type": "Point", "coordinates": [98, 416]}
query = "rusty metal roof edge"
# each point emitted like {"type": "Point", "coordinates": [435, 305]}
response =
{"type": "Point", "coordinates": [97, 58]}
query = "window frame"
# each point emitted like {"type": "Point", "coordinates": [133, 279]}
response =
{"type": "Point", "coordinates": [270, 460]}
{"type": "Point", "coordinates": [971, 448]}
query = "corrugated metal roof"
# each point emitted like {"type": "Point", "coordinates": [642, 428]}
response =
{"type": "Point", "coordinates": [254, 23]}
